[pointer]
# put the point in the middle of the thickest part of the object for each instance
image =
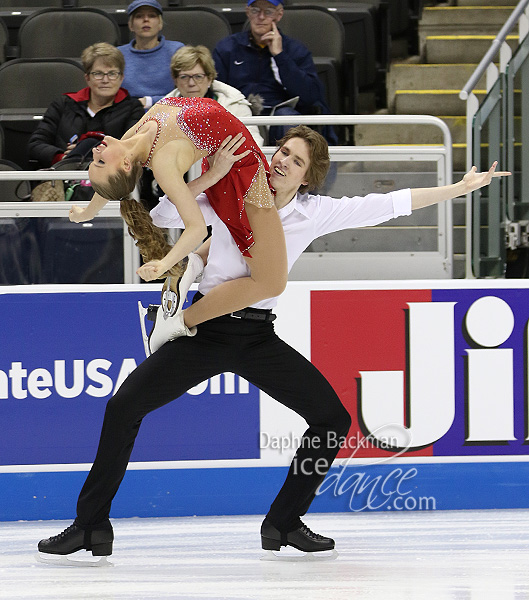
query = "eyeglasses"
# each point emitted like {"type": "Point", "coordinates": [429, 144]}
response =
{"type": "Point", "coordinates": [267, 12]}
{"type": "Point", "coordinates": [112, 75]}
{"type": "Point", "coordinates": [197, 78]}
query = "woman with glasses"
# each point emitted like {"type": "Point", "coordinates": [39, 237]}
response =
{"type": "Point", "coordinates": [77, 121]}
{"type": "Point", "coordinates": [194, 74]}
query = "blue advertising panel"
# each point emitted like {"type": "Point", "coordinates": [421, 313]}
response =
{"type": "Point", "coordinates": [62, 357]}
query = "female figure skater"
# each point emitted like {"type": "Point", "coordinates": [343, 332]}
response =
{"type": "Point", "coordinates": [173, 135]}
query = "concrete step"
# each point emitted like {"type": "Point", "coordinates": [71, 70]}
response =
{"type": "Point", "coordinates": [459, 162]}
{"type": "Point", "coordinates": [421, 76]}
{"type": "Point", "coordinates": [408, 76]}
{"type": "Point", "coordinates": [369, 135]}
{"type": "Point", "coordinates": [438, 102]}
{"type": "Point", "coordinates": [465, 16]}
{"type": "Point", "coordinates": [459, 155]}
{"type": "Point", "coordinates": [454, 49]}
{"type": "Point", "coordinates": [462, 20]}
{"type": "Point", "coordinates": [432, 102]}
{"type": "Point", "coordinates": [509, 3]}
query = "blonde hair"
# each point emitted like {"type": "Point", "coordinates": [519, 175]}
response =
{"type": "Point", "coordinates": [188, 56]}
{"type": "Point", "coordinates": [318, 154]}
{"type": "Point", "coordinates": [150, 240]}
{"type": "Point", "coordinates": [111, 56]}
{"type": "Point", "coordinates": [119, 185]}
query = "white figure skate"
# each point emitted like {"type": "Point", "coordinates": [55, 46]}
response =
{"type": "Point", "coordinates": [168, 318]}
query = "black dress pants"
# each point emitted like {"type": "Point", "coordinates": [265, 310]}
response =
{"type": "Point", "coordinates": [247, 348]}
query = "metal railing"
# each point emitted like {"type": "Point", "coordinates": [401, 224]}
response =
{"type": "Point", "coordinates": [492, 214]}
{"type": "Point", "coordinates": [344, 265]}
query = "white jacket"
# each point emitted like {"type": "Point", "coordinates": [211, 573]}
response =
{"type": "Point", "coordinates": [233, 101]}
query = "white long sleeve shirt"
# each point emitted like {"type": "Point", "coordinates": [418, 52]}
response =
{"type": "Point", "coordinates": [304, 219]}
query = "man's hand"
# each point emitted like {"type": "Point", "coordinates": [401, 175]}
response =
{"type": "Point", "coordinates": [273, 40]}
{"type": "Point", "coordinates": [474, 180]}
{"type": "Point", "coordinates": [421, 197]}
{"type": "Point", "coordinates": [224, 159]}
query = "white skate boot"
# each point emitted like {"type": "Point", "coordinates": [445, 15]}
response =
{"type": "Point", "coordinates": [168, 328]}
{"type": "Point", "coordinates": [166, 324]}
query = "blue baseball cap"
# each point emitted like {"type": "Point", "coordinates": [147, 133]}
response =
{"type": "Point", "coordinates": [274, 2]}
{"type": "Point", "coordinates": [139, 3]}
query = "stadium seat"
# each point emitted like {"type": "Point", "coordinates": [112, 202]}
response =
{"type": "Point", "coordinates": [17, 4]}
{"type": "Point", "coordinates": [28, 86]}
{"type": "Point", "coordinates": [12, 191]}
{"type": "Point", "coordinates": [327, 47]}
{"type": "Point", "coordinates": [195, 25]}
{"type": "Point", "coordinates": [73, 30]}
{"type": "Point", "coordinates": [4, 40]}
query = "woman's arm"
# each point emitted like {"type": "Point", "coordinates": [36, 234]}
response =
{"type": "Point", "coordinates": [473, 180]}
{"type": "Point", "coordinates": [46, 142]}
{"type": "Point", "coordinates": [79, 215]}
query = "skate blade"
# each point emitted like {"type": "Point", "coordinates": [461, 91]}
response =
{"type": "Point", "coordinates": [69, 561]}
{"type": "Point", "coordinates": [143, 312]}
{"type": "Point", "coordinates": [170, 300]}
{"type": "Point", "coordinates": [293, 555]}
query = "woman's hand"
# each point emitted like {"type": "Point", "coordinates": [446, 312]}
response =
{"type": "Point", "coordinates": [78, 214]}
{"type": "Point", "coordinates": [474, 180]}
{"type": "Point", "coordinates": [69, 148]}
{"type": "Point", "coordinates": [224, 159]}
{"type": "Point", "coordinates": [152, 270]}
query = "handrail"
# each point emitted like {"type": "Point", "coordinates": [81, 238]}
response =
{"type": "Point", "coordinates": [493, 50]}
{"type": "Point", "coordinates": [356, 120]}
{"type": "Point", "coordinates": [519, 15]}
{"type": "Point", "coordinates": [285, 120]}
{"type": "Point", "coordinates": [16, 175]}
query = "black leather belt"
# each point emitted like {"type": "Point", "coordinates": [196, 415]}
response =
{"type": "Point", "coordinates": [254, 314]}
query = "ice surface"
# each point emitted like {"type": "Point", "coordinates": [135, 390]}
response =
{"type": "Point", "coordinates": [470, 555]}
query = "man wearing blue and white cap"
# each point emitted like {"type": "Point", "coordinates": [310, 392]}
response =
{"type": "Point", "coordinates": [148, 55]}
{"type": "Point", "coordinates": [263, 61]}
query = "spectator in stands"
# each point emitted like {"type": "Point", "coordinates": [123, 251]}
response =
{"type": "Point", "coordinates": [193, 72]}
{"type": "Point", "coordinates": [264, 61]}
{"type": "Point", "coordinates": [76, 121]}
{"type": "Point", "coordinates": [148, 55]}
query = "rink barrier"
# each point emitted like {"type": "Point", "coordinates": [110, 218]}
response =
{"type": "Point", "coordinates": [434, 374]}
{"type": "Point", "coordinates": [416, 263]}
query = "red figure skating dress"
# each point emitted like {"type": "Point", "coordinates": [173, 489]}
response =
{"type": "Point", "coordinates": [206, 123]}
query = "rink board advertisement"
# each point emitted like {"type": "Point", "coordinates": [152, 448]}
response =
{"type": "Point", "coordinates": [434, 375]}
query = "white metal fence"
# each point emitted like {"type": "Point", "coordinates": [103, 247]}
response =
{"type": "Point", "coordinates": [312, 265]}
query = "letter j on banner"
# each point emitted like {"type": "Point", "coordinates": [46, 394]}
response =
{"type": "Point", "coordinates": [426, 372]}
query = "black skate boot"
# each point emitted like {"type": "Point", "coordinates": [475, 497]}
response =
{"type": "Point", "coordinates": [301, 538]}
{"type": "Point", "coordinates": [73, 538]}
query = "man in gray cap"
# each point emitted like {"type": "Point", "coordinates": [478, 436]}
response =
{"type": "Point", "coordinates": [148, 55]}
{"type": "Point", "coordinates": [262, 60]}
